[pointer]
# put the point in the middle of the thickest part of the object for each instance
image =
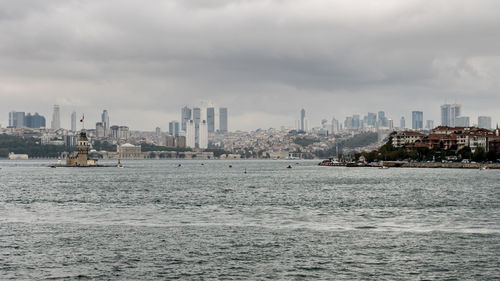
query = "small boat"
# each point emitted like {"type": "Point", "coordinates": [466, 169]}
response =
{"type": "Point", "coordinates": [179, 165]}
{"type": "Point", "coordinates": [245, 171]}
{"type": "Point", "coordinates": [289, 167]}
{"type": "Point", "coordinates": [230, 166]}
{"type": "Point", "coordinates": [484, 168]}
{"type": "Point", "coordinates": [383, 167]}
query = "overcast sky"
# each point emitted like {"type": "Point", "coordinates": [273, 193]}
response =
{"type": "Point", "coordinates": [263, 59]}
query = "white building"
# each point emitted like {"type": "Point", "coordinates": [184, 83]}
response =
{"type": "Point", "coordinates": [56, 118]}
{"type": "Point", "coordinates": [190, 134]}
{"type": "Point", "coordinates": [203, 142]}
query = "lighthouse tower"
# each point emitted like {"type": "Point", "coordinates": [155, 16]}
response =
{"type": "Point", "coordinates": [83, 149]}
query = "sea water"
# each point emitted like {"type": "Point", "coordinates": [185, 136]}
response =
{"type": "Point", "coordinates": [204, 220]}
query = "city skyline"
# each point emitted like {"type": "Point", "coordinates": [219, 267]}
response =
{"type": "Point", "coordinates": [332, 58]}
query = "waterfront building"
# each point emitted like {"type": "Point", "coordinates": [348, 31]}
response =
{"type": "Point", "coordinates": [484, 122]}
{"type": "Point", "coordinates": [417, 120]}
{"type": "Point", "coordinates": [173, 128]}
{"type": "Point", "coordinates": [180, 142]}
{"type": "Point", "coordinates": [81, 159]}
{"type": "Point", "coordinates": [211, 119]}
{"type": "Point", "coordinates": [170, 141]}
{"type": "Point", "coordinates": [223, 127]}
{"type": "Point", "coordinates": [16, 119]}
{"type": "Point", "coordinates": [129, 151]}
{"type": "Point", "coordinates": [190, 134]}
{"type": "Point", "coordinates": [73, 121]}
{"type": "Point", "coordinates": [56, 118]}
{"type": "Point", "coordinates": [203, 135]}
{"type": "Point", "coordinates": [185, 117]}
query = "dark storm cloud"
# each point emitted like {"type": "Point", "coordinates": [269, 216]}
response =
{"type": "Point", "coordinates": [262, 59]}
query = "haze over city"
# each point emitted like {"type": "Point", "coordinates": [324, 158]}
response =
{"type": "Point", "coordinates": [264, 60]}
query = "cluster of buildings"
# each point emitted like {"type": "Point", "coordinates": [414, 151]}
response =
{"type": "Point", "coordinates": [445, 137]}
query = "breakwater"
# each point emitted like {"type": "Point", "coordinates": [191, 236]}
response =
{"type": "Point", "coordinates": [453, 165]}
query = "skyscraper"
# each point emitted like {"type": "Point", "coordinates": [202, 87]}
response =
{"type": "Point", "coordinates": [185, 117]}
{"type": "Point", "coordinates": [402, 122]}
{"type": "Point", "coordinates": [99, 130]}
{"type": "Point", "coordinates": [203, 135]}
{"type": "Point", "coordinates": [211, 119]}
{"type": "Point", "coordinates": [449, 114]}
{"type": "Point", "coordinates": [417, 120]}
{"type": "Point", "coordinates": [462, 121]}
{"type": "Point", "coordinates": [382, 120]}
{"type": "Point", "coordinates": [484, 122]}
{"type": "Point", "coordinates": [56, 118]}
{"type": "Point", "coordinates": [429, 124]}
{"type": "Point", "coordinates": [34, 121]}
{"type": "Point", "coordinates": [190, 134]}
{"type": "Point", "coordinates": [173, 128]}
{"type": "Point", "coordinates": [302, 119]}
{"type": "Point", "coordinates": [105, 122]}
{"type": "Point", "coordinates": [371, 119]}
{"type": "Point", "coordinates": [16, 119]}
{"type": "Point", "coordinates": [73, 121]}
{"type": "Point", "coordinates": [223, 128]}
{"type": "Point", "coordinates": [196, 115]}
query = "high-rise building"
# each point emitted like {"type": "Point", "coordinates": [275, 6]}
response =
{"type": "Point", "coordinates": [462, 121]}
{"type": "Point", "coordinates": [223, 128]}
{"type": "Point", "coordinates": [429, 124]}
{"type": "Point", "coordinates": [190, 134]}
{"type": "Point", "coordinates": [356, 122]}
{"type": "Point", "coordinates": [99, 130]}
{"type": "Point", "coordinates": [302, 119]}
{"type": "Point", "coordinates": [73, 121]}
{"type": "Point", "coordinates": [484, 122]}
{"type": "Point", "coordinates": [211, 119]}
{"type": "Point", "coordinates": [417, 120]}
{"type": "Point", "coordinates": [173, 128]}
{"type": "Point", "coordinates": [335, 125]}
{"type": "Point", "coordinates": [197, 115]}
{"type": "Point", "coordinates": [16, 119]}
{"type": "Point", "coordinates": [371, 119]}
{"type": "Point", "coordinates": [402, 122]}
{"type": "Point", "coordinates": [56, 118]}
{"type": "Point", "coordinates": [34, 121]}
{"type": "Point", "coordinates": [348, 123]}
{"type": "Point", "coordinates": [203, 135]}
{"type": "Point", "coordinates": [158, 131]}
{"type": "Point", "coordinates": [382, 120]}
{"type": "Point", "coordinates": [449, 114]}
{"type": "Point", "coordinates": [105, 121]}
{"type": "Point", "coordinates": [185, 117]}
{"type": "Point", "coordinates": [390, 124]}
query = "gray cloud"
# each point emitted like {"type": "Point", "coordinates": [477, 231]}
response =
{"type": "Point", "coordinates": [263, 59]}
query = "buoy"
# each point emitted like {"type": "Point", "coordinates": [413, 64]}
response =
{"type": "Point", "coordinates": [245, 170]}
{"type": "Point", "coordinates": [230, 166]}
{"type": "Point", "coordinates": [289, 167]}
